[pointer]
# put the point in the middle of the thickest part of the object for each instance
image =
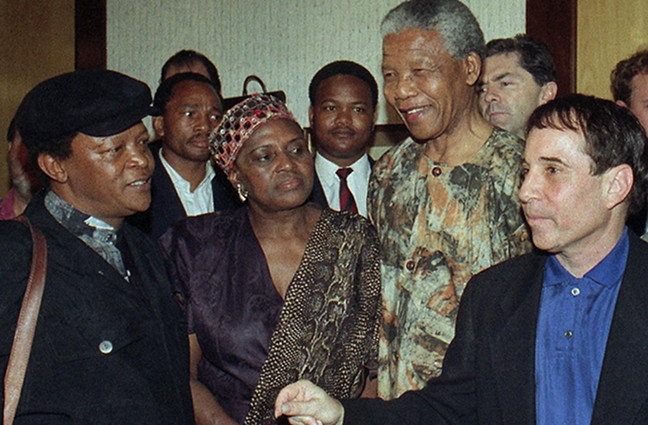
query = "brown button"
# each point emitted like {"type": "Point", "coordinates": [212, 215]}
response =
{"type": "Point", "coordinates": [410, 265]}
{"type": "Point", "coordinates": [436, 171]}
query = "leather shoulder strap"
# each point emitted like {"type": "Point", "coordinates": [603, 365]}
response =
{"type": "Point", "coordinates": [27, 318]}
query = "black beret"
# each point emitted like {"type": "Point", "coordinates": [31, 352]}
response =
{"type": "Point", "coordinates": [98, 103]}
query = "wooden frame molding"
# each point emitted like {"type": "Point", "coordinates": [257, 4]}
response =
{"type": "Point", "coordinates": [554, 22]}
{"type": "Point", "coordinates": [89, 34]}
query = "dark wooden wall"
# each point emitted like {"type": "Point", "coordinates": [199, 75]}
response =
{"type": "Point", "coordinates": [554, 22]}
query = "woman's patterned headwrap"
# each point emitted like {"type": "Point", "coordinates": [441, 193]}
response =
{"type": "Point", "coordinates": [239, 123]}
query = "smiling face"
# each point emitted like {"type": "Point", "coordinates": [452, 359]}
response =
{"type": "Point", "coordinates": [275, 167]}
{"type": "Point", "coordinates": [106, 177]}
{"type": "Point", "coordinates": [189, 117]}
{"type": "Point", "coordinates": [567, 207]}
{"type": "Point", "coordinates": [428, 88]}
{"type": "Point", "coordinates": [508, 94]}
{"type": "Point", "coordinates": [342, 118]}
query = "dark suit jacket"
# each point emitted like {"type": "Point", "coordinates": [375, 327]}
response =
{"type": "Point", "coordinates": [166, 207]}
{"type": "Point", "coordinates": [318, 196]}
{"type": "Point", "coordinates": [488, 372]}
{"type": "Point", "coordinates": [143, 379]}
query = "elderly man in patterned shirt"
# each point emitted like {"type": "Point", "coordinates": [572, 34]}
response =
{"type": "Point", "coordinates": [445, 200]}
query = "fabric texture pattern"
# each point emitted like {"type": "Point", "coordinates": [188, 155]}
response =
{"type": "Point", "coordinates": [438, 225]}
{"type": "Point", "coordinates": [326, 330]}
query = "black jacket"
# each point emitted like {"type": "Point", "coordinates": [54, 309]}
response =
{"type": "Point", "coordinates": [141, 378]}
{"type": "Point", "coordinates": [166, 207]}
{"type": "Point", "coordinates": [489, 369]}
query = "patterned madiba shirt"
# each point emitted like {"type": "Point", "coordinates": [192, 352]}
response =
{"type": "Point", "coordinates": [438, 226]}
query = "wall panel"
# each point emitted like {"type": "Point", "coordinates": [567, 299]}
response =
{"type": "Point", "coordinates": [36, 42]}
{"type": "Point", "coordinates": [608, 31]}
{"type": "Point", "coordinates": [283, 41]}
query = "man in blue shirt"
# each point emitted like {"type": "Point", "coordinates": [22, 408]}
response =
{"type": "Point", "coordinates": [557, 336]}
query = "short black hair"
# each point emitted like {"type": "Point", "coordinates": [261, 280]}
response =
{"type": "Point", "coordinates": [186, 58]}
{"type": "Point", "coordinates": [613, 136]}
{"type": "Point", "coordinates": [344, 68]}
{"type": "Point", "coordinates": [164, 93]}
{"type": "Point", "coordinates": [623, 73]}
{"type": "Point", "coordinates": [535, 57]}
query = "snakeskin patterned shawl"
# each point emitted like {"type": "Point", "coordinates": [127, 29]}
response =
{"type": "Point", "coordinates": [328, 328]}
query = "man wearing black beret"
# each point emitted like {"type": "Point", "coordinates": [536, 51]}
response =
{"type": "Point", "coordinates": [110, 345]}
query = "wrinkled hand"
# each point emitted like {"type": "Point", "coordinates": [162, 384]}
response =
{"type": "Point", "coordinates": [304, 403]}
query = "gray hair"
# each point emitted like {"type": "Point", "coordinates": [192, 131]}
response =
{"type": "Point", "coordinates": [452, 19]}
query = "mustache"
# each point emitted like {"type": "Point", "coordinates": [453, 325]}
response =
{"type": "Point", "coordinates": [203, 135]}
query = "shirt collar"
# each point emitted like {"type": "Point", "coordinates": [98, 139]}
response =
{"type": "Point", "coordinates": [608, 272]}
{"type": "Point", "coordinates": [178, 179]}
{"type": "Point", "coordinates": [77, 222]}
{"type": "Point", "coordinates": [326, 169]}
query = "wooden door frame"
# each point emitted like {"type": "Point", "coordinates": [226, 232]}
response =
{"type": "Point", "coordinates": [554, 22]}
{"type": "Point", "coordinates": [90, 34]}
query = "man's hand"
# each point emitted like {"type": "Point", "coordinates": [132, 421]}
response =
{"type": "Point", "coordinates": [304, 403]}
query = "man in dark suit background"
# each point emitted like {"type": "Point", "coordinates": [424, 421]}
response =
{"type": "Point", "coordinates": [342, 114]}
{"type": "Point", "coordinates": [556, 336]}
{"type": "Point", "coordinates": [185, 183]}
{"type": "Point", "coordinates": [110, 344]}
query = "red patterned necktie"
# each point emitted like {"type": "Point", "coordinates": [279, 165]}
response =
{"type": "Point", "coordinates": [347, 203]}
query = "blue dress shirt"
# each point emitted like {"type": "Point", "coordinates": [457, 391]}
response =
{"type": "Point", "coordinates": [573, 325]}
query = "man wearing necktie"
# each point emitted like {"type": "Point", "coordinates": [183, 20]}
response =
{"type": "Point", "coordinates": [342, 114]}
{"type": "Point", "coordinates": [347, 202]}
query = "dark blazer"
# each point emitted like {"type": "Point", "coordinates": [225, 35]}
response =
{"type": "Point", "coordinates": [105, 351]}
{"type": "Point", "coordinates": [166, 207]}
{"type": "Point", "coordinates": [318, 196]}
{"type": "Point", "coordinates": [489, 370]}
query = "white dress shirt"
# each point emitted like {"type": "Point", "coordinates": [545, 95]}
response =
{"type": "Point", "coordinates": [358, 181]}
{"type": "Point", "coordinates": [201, 200]}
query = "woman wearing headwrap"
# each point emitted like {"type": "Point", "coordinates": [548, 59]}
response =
{"type": "Point", "coordinates": [279, 289]}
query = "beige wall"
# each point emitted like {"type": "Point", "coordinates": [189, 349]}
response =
{"type": "Point", "coordinates": [283, 41]}
{"type": "Point", "coordinates": [608, 31]}
{"type": "Point", "coordinates": [36, 42]}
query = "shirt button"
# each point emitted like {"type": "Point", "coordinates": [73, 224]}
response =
{"type": "Point", "coordinates": [568, 334]}
{"type": "Point", "coordinates": [410, 265]}
{"type": "Point", "coordinates": [575, 292]}
{"type": "Point", "coordinates": [436, 171]}
{"type": "Point", "coordinates": [105, 347]}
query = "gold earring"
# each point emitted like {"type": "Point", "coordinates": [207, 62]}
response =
{"type": "Point", "coordinates": [242, 193]}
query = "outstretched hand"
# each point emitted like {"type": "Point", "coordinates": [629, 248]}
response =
{"type": "Point", "coordinates": [304, 403]}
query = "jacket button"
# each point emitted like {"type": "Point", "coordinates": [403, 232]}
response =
{"type": "Point", "coordinates": [410, 265]}
{"type": "Point", "coordinates": [105, 347]}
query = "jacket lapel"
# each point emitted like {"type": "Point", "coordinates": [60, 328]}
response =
{"type": "Point", "coordinates": [149, 271]}
{"type": "Point", "coordinates": [167, 202]}
{"type": "Point", "coordinates": [513, 346]}
{"type": "Point", "coordinates": [623, 386]}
